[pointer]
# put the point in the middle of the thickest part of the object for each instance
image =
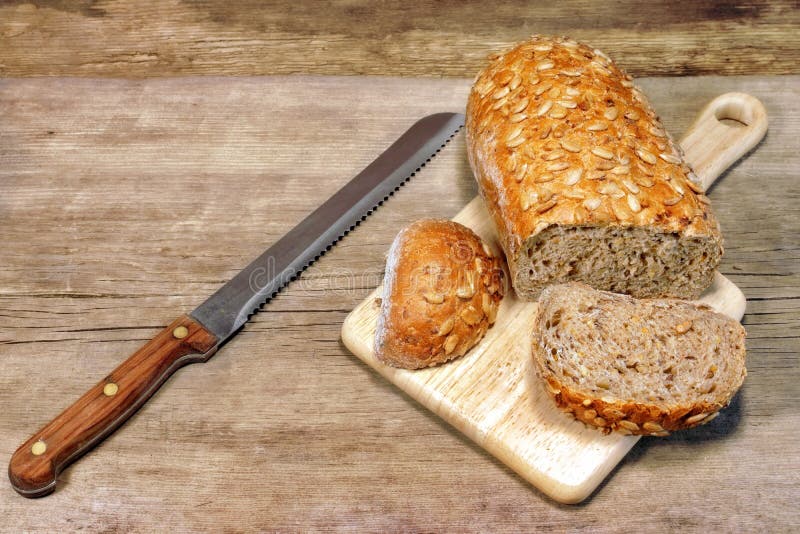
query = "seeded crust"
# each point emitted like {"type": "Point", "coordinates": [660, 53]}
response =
{"type": "Point", "coordinates": [441, 293]}
{"type": "Point", "coordinates": [581, 179]}
{"type": "Point", "coordinates": [636, 366]}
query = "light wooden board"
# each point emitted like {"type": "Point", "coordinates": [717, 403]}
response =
{"type": "Point", "coordinates": [493, 395]}
{"type": "Point", "coordinates": [285, 429]}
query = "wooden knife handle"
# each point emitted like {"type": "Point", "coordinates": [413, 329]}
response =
{"type": "Point", "coordinates": [36, 464]}
{"type": "Point", "coordinates": [712, 144]}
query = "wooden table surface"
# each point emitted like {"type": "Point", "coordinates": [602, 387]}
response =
{"type": "Point", "coordinates": [416, 38]}
{"type": "Point", "coordinates": [120, 211]}
{"type": "Point", "coordinates": [284, 429]}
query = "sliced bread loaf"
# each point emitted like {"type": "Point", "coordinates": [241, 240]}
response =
{"type": "Point", "coordinates": [581, 179]}
{"type": "Point", "coordinates": [646, 366]}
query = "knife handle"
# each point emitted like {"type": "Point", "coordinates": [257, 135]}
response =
{"type": "Point", "coordinates": [36, 464]}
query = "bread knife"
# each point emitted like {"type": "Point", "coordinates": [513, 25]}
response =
{"type": "Point", "coordinates": [35, 466]}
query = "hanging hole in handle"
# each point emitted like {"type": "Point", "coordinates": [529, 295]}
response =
{"type": "Point", "coordinates": [732, 112]}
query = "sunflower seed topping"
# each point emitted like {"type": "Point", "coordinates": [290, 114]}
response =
{"type": "Point", "coordinates": [650, 426]}
{"type": "Point", "coordinates": [621, 170]}
{"type": "Point", "coordinates": [597, 126]}
{"type": "Point", "coordinates": [471, 316]}
{"type": "Point", "coordinates": [466, 290]}
{"type": "Point", "coordinates": [541, 208]}
{"type": "Point", "coordinates": [710, 418]}
{"type": "Point", "coordinates": [633, 203]}
{"type": "Point", "coordinates": [542, 89]}
{"type": "Point", "coordinates": [604, 165]}
{"type": "Point", "coordinates": [611, 189]}
{"type": "Point", "coordinates": [544, 108]}
{"type": "Point", "coordinates": [630, 186]}
{"type": "Point", "coordinates": [591, 204]}
{"type": "Point", "coordinates": [646, 156]}
{"type": "Point", "coordinates": [555, 154]}
{"type": "Point", "coordinates": [557, 166]}
{"type": "Point", "coordinates": [527, 199]}
{"type": "Point", "coordinates": [696, 418]}
{"type": "Point", "coordinates": [669, 158]}
{"type": "Point", "coordinates": [520, 106]}
{"type": "Point", "coordinates": [575, 194]}
{"type": "Point", "coordinates": [573, 176]}
{"type": "Point", "coordinates": [515, 141]}
{"type": "Point", "coordinates": [610, 113]}
{"type": "Point", "coordinates": [450, 343]}
{"type": "Point", "coordinates": [521, 172]}
{"type": "Point", "coordinates": [500, 93]}
{"type": "Point", "coordinates": [601, 152]}
{"type": "Point", "coordinates": [433, 298]}
{"type": "Point", "coordinates": [629, 425]}
{"type": "Point", "coordinates": [447, 326]}
{"type": "Point", "coordinates": [694, 186]}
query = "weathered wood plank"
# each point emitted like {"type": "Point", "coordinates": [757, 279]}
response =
{"type": "Point", "coordinates": [284, 428]}
{"type": "Point", "coordinates": [423, 38]}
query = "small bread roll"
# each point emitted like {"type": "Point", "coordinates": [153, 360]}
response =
{"type": "Point", "coordinates": [441, 293]}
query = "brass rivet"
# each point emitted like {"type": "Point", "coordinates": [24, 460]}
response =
{"type": "Point", "coordinates": [110, 389]}
{"type": "Point", "coordinates": [38, 448]}
{"type": "Point", "coordinates": [180, 332]}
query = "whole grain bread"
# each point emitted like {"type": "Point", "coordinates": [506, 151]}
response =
{"type": "Point", "coordinates": [637, 366]}
{"type": "Point", "coordinates": [581, 179]}
{"type": "Point", "coordinates": [441, 293]}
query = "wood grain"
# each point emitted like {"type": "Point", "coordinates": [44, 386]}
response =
{"type": "Point", "coordinates": [34, 467]}
{"type": "Point", "coordinates": [284, 429]}
{"type": "Point", "coordinates": [420, 38]}
{"type": "Point", "coordinates": [493, 394]}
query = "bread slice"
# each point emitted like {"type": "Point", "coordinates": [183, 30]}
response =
{"type": "Point", "coordinates": [441, 293]}
{"type": "Point", "coordinates": [646, 366]}
{"type": "Point", "coordinates": [580, 178]}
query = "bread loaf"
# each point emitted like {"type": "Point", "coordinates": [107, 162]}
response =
{"type": "Point", "coordinates": [581, 179]}
{"type": "Point", "coordinates": [441, 293]}
{"type": "Point", "coordinates": [646, 366]}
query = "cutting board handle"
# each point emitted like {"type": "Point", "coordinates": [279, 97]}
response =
{"type": "Point", "coordinates": [35, 466]}
{"type": "Point", "coordinates": [725, 130]}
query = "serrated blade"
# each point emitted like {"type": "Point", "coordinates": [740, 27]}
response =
{"type": "Point", "coordinates": [224, 312]}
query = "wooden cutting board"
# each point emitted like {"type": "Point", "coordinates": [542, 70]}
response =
{"type": "Point", "coordinates": [492, 394]}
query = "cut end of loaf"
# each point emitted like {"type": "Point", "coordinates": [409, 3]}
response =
{"type": "Point", "coordinates": [559, 136]}
{"type": "Point", "coordinates": [639, 261]}
{"type": "Point", "coordinates": [646, 366]}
